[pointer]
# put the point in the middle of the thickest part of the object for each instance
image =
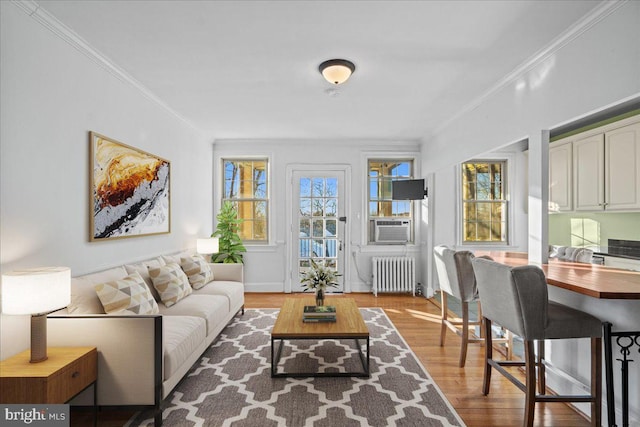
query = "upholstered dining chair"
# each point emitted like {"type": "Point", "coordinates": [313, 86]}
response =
{"type": "Point", "coordinates": [457, 279]}
{"type": "Point", "coordinates": [517, 299]}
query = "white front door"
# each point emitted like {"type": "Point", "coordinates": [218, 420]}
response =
{"type": "Point", "coordinates": [318, 223]}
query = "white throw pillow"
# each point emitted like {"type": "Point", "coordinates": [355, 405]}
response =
{"type": "Point", "coordinates": [127, 296]}
{"type": "Point", "coordinates": [170, 282]}
{"type": "Point", "coordinates": [197, 270]}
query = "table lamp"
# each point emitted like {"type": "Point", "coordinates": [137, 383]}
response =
{"type": "Point", "coordinates": [207, 246]}
{"type": "Point", "coordinates": [36, 292]}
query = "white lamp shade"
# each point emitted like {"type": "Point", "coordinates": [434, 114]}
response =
{"type": "Point", "coordinates": [207, 246]}
{"type": "Point", "coordinates": [36, 291]}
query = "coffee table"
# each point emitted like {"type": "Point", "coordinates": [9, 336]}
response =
{"type": "Point", "coordinates": [348, 325]}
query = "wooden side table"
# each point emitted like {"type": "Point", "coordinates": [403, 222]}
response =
{"type": "Point", "coordinates": [66, 373]}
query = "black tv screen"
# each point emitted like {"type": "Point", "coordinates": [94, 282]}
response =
{"type": "Point", "coordinates": [410, 189]}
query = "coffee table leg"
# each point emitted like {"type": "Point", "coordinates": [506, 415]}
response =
{"type": "Point", "coordinates": [365, 363]}
{"type": "Point", "coordinates": [275, 360]}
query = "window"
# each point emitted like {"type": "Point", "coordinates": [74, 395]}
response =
{"type": "Point", "coordinates": [381, 173]}
{"type": "Point", "coordinates": [245, 185]}
{"type": "Point", "coordinates": [484, 204]}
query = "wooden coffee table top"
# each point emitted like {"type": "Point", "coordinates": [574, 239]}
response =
{"type": "Point", "coordinates": [349, 321]}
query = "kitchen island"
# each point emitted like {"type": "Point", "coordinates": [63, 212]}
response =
{"type": "Point", "coordinates": [612, 295]}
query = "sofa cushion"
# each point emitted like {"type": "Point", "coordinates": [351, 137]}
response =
{"type": "Point", "coordinates": [233, 291]}
{"type": "Point", "coordinates": [170, 282]}
{"type": "Point", "coordinates": [212, 308]}
{"type": "Point", "coordinates": [126, 296]}
{"type": "Point", "coordinates": [142, 268]}
{"type": "Point", "coordinates": [84, 299]}
{"type": "Point", "coordinates": [197, 270]}
{"type": "Point", "coordinates": [181, 336]}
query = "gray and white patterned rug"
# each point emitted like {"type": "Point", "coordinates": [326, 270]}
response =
{"type": "Point", "coordinates": [232, 386]}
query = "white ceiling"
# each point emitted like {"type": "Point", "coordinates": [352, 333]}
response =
{"type": "Point", "coordinates": [249, 69]}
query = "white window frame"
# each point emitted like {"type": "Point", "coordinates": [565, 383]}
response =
{"type": "Point", "coordinates": [510, 161]}
{"type": "Point", "coordinates": [218, 200]}
{"type": "Point", "coordinates": [415, 208]}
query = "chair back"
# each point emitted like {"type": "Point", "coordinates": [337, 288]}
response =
{"type": "Point", "coordinates": [514, 297]}
{"type": "Point", "coordinates": [455, 273]}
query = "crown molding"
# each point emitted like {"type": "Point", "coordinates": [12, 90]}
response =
{"type": "Point", "coordinates": [596, 15]}
{"type": "Point", "coordinates": [50, 22]}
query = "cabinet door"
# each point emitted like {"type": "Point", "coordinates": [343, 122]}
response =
{"type": "Point", "coordinates": [588, 173]}
{"type": "Point", "coordinates": [560, 177]}
{"type": "Point", "coordinates": [622, 177]}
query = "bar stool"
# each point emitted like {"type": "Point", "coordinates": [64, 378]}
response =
{"type": "Point", "coordinates": [517, 299]}
{"type": "Point", "coordinates": [456, 278]}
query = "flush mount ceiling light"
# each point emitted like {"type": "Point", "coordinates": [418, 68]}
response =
{"type": "Point", "coordinates": [337, 71]}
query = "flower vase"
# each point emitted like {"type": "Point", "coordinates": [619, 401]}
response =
{"type": "Point", "coordinates": [319, 297]}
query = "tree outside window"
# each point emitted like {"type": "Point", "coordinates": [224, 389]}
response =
{"type": "Point", "coordinates": [484, 204]}
{"type": "Point", "coordinates": [245, 185]}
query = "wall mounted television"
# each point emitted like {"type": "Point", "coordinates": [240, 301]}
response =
{"type": "Point", "coordinates": [408, 189]}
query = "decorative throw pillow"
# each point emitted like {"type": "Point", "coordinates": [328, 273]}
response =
{"type": "Point", "coordinates": [170, 282]}
{"type": "Point", "coordinates": [197, 270]}
{"type": "Point", "coordinates": [127, 296]}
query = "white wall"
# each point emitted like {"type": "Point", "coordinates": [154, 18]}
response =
{"type": "Point", "coordinates": [52, 95]}
{"type": "Point", "coordinates": [266, 265]}
{"type": "Point", "coordinates": [596, 67]}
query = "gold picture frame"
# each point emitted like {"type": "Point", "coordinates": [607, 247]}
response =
{"type": "Point", "coordinates": [130, 191]}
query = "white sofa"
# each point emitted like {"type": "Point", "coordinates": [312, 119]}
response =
{"type": "Point", "coordinates": [141, 358]}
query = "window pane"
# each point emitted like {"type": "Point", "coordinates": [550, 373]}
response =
{"type": "Point", "coordinates": [305, 187]}
{"type": "Point", "coordinates": [331, 207]}
{"type": "Point", "coordinates": [318, 248]}
{"type": "Point", "coordinates": [317, 187]}
{"type": "Point", "coordinates": [305, 228]}
{"type": "Point", "coordinates": [330, 228]}
{"type": "Point", "coordinates": [373, 209]}
{"type": "Point", "coordinates": [484, 206]}
{"type": "Point", "coordinates": [318, 228]}
{"type": "Point", "coordinates": [245, 185]}
{"type": "Point", "coordinates": [470, 231]}
{"type": "Point", "coordinates": [305, 207]}
{"type": "Point", "coordinates": [331, 189]}
{"type": "Point", "coordinates": [381, 174]}
{"type": "Point", "coordinates": [470, 211]}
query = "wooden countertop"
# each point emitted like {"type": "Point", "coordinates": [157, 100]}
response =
{"type": "Point", "coordinates": [593, 280]}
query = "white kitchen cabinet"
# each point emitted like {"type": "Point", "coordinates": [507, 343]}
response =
{"type": "Point", "coordinates": [622, 178]}
{"type": "Point", "coordinates": [588, 161]}
{"type": "Point", "coordinates": [606, 169]}
{"type": "Point", "coordinates": [560, 176]}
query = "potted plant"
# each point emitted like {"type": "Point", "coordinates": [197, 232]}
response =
{"type": "Point", "coordinates": [318, 278]}
{"type": "Point", "coordinates": [230, 244]}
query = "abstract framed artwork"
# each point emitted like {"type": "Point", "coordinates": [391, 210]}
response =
{"type": "Point", "coordinates": [130, 191]}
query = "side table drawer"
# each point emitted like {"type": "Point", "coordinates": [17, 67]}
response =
{"type": "Point", "coordinates": [75, 377]}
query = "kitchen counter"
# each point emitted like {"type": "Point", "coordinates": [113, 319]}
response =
{"type": "Point", "coordinates": [593, 280]}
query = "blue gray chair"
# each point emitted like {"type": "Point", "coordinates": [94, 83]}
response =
{"type": "Point", "coordinates": [517, 299]}
{"type": "Point", "coordinates": [456, 278]}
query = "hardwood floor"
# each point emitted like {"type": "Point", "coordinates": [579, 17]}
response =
{"type": "Point", "coordinates": [417, 319]}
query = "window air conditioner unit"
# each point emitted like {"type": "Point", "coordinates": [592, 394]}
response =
{"type": "Point", "coordinates": [392, 230]}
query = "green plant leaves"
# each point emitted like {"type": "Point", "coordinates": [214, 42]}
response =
{"type": "Point", "coordinates": [230, 244]}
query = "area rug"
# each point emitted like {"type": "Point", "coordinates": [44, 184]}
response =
{"type": "Point", "coordinates": [232, 384]}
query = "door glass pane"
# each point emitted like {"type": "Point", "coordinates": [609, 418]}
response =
{"type": "Point", "coordinates": [318, 225]}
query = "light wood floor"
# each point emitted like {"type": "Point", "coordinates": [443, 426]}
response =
{"type": "Point", "coordinates": [417, 319]}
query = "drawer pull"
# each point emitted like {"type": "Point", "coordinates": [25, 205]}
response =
{"type": "Point", "coordinates": [75, 374]}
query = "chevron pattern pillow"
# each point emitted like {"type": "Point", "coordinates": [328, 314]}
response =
{"type": "Point", "coordinates": [197, 270]}
{"type": "Point", "coordinates": [170, 282]}
{"type": "Point", "coordinates": [127, 296]}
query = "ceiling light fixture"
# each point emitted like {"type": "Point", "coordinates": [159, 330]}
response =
{"type": "Point", "coordinates": [337, 71]}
